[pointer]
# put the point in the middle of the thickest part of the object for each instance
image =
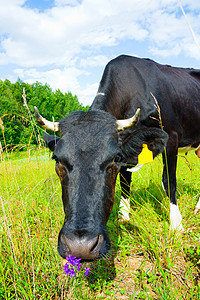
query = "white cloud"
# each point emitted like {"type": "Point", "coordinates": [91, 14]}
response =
{"type": "Point", "coordinates": [171, 35]}
{"type": "Point", "coordinates": [68, 38]}
{"type": "Point", "coordinates": [166, 52]}
{"type": "Point", "coordinates": [58, 34]}
{"type": "Point", "coordinates": [64, 80]}
{"type": "Point", "coordinates": [192, 4]}
{"type": "Point", "coordinates": [94, 61]}
{"type": "Point", "coordinates": [66, 2]}
{"type": "Point", "coordinates": [92, 23]}
{"type": "Point", "coordinates": [87, 95]}
{"type": "Point", "coordinates": [192, 50]}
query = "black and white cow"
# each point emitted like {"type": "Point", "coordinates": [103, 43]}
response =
{"type": "Point", "coordinates": [139, 103]}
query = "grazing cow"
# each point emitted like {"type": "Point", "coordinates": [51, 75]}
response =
{"type": "Point", "coordinates": [140, 106]}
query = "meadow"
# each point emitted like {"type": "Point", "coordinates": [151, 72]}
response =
{"type": "Point", "coordinates": [147, 261]}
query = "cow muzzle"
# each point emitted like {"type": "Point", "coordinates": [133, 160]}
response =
{"type": "Point", "coordinates": [81, 247]}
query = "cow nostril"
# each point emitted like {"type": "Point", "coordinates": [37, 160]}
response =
{"type": "Point", "coordinates": [97, 245]}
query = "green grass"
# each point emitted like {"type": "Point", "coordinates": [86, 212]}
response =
{"type": "Point", "coordinates": [147, 261]}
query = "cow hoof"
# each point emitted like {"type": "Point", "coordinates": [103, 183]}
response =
{"type": "Point", "coordinates": [175, 218]}
{"type": "Point", "coordinates": [178, 227]}
{"type": "Point", "coordinates": [178, 231]}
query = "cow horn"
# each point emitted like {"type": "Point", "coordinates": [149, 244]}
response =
{"type": "Point", "coordinates": [53, 126]}
{"type": "Point", "coordinates": [127, 123]}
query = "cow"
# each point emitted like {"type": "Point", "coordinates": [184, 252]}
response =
{"type": "Point", "coordinates": [139, 105]}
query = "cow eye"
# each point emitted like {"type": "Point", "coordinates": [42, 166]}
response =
{"type": "Point", "coordinates": [64, 163]}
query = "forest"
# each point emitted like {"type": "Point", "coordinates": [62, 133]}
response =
{"type": "Point", "coordinates": [16, 121]}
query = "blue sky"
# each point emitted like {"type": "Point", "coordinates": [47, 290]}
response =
{"type": "Point", "coordinates": [67, 43]}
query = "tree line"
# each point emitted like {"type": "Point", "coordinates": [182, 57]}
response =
{"type": "Point", "coordinates": [17, 122]}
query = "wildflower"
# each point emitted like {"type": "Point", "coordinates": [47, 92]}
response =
{"type": "Point", "coordinates": [69, 271]}
{"type": "Point", "coordinates": [74, 261]}
{"type": "Point", "coordinates": [73, 264]}
{"type": "Point", "coordinates": [86, 271]}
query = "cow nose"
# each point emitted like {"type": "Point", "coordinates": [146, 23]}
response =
{"type": "Point", "coordinates": [82, 247]}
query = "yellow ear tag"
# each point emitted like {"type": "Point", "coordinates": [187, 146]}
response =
{"type": "Point", "coordinates": [145, 156]}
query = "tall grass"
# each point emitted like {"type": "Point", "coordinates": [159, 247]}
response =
{"type": "Point", "coordinates": [147, 261]}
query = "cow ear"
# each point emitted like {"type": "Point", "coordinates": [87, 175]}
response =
{"type": "Point", "coordinates": [132, 143]}
{"type": "Point", "coordinates": [51, 141]}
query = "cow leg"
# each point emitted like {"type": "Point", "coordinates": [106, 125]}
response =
{"type": "Point", "coordinates": [125, 181]}
{"type": "Point", "coordinates": [169, 181]}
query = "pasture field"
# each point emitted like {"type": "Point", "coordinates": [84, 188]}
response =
{"type": "Point", "coordinates": [147, 261]}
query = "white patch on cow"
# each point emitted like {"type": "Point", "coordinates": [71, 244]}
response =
{"type": "Point", "coordinates": [197, 208]}
{"type": "Point", "coordinates": [100, 94]}
{"type": "Point", "coordinates": [175, 218]}
{"type": "Point", "coordinates": [124, 208]}
{"type": "Point", "coordinates": [135, 169]}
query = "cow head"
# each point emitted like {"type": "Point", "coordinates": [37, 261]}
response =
{"type": "Point", "coordinates": [88, 155]}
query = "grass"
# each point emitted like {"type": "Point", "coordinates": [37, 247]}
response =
{"type": "Point", "coordinates": [147, 261]}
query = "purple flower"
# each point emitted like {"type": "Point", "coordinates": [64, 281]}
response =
{"type": "Point", "coordinates": [86, 271]}
{"type": "Point", "coordinates": [72, 264]}
{"type": "Point", "coordinates": [79, 267]}
{"type": "Point", "coordinates": [72, 273]}
{"type": "Point", "coordinates": [69, 271]}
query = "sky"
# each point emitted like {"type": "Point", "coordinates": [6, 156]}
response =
{"type": "Point", "coordinates": [67, 43]}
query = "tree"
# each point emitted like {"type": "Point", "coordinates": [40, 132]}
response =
{"type": "Point", "coordinates": [18, 129]}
